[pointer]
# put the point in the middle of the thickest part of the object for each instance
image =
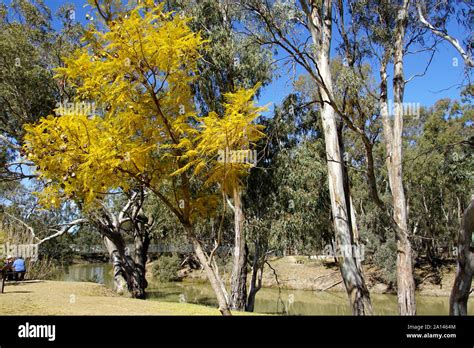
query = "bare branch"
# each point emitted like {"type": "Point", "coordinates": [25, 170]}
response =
{"type": "Point", "coordinates": [10, 143]}
{"type": "Point", "coordinates": [127, 206]}
{"type": "Point", "coordinates": [65, 228]}
{"type": "Point", "coordinates": [444, 35]}
{"type": "Point", "coordinates": [31, 229]}
{"type": "Point", "coordinates": [426, 68]}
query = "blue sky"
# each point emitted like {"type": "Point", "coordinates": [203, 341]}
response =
{"type": "Point", "coordinates": [440, 81]}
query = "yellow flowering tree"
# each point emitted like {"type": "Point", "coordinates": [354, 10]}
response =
{"type": "Point", "coordinates": [137, 67]}
{"type": "Point", "coordinates": [229, 140]}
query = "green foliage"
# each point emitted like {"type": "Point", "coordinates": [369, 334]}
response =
{"type": "Point", "coordinates": [58, 250]}
{"type": "Point", "coordinates": [232, 59]}
{"type": "Point", "coordinates": [288, 196]}
{"type": "Point", "coordinates": [438, 196]}
{"type": "Point", "coordinates": [86, 237]}
{"type": "Point", "coordinates": [29, 49]}
{"type": "Point", "coordinates": [385, 257]}
{"type": "Point", "coordinates": [166, 268]}
{"type": "Point", "coordinates": [22, 216]}
{"type": "Point", "coordinates": [190, 54]}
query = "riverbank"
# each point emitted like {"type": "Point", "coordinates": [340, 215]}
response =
{"type": "Point", "coordinates": [82, 298]}
{"type": "Point", "coordinates": [75, 294]}
{"type": "Point", "coordinates": [302, 273]}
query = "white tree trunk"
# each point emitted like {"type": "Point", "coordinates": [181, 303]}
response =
{"type": "Point", "coordinates": [120, 283]}
{"type": "Point", "coordinates": [238, 281]}
{"type": "Point", "coordinates": [405, 281]}
{"type": "Point", "coordinates": [211, 273]}
{"type": "Point", "coordinates": [358, 293]}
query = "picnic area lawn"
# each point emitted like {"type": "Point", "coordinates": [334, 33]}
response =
{"type": "Point", "coordinates": [81, 298]}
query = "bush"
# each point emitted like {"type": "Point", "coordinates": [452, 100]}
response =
{"type": "Point", "coordinates": [380, 244]}
{"type": "Point", "coordinates": [44, 268]}
{"type": "Point", "coordinates": [166, 268]}
{"type": "Point", "coordinates": [385, 258]}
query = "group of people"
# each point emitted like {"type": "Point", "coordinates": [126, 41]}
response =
{"type": "Point", "coordinates": [15, 268]}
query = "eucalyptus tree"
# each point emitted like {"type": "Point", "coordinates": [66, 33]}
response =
{"type": "Point", "coordinates": [393, 140]}
{"type": "Point", "coordinates": [29, 48]}
{"type": "Point", "coordinates": [388, 38]}
{"type": "Point", "coordinates": [231, 59]}
{"type": "Point", "coordinates": [439, 140]}
{"type": "Point", "coordinates": [377, 35]}
{"type": "Point", "coordinates": [291, 27]}
{"type": "Point", "coordinates": [435, 16]}
{"type": "Point", "coordinates": [289, 193]}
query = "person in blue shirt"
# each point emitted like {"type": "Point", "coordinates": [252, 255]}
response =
{"type": "Point", "coordinates": [19, 268]}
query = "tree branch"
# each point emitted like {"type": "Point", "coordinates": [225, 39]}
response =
{"type": "Point", "coordinates": [444, 35]}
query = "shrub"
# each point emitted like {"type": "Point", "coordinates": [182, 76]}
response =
{"type": "Point", "coordinates": [44, 268]}
{"type": "Point", "coordinates": [385, 258]}
{"type": "Point", "coordinates": [380, 244]}
{"type": "Point", "coordinates": [166, 268]}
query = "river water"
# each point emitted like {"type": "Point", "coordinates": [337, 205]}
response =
{"type": "Point", "coordinates": [268, 300]}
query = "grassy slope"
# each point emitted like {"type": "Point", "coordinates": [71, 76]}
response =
{"type": "Point", "coordinates": [74, 298]}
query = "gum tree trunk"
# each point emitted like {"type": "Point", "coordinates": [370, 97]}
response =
{"type": "Point", "coordinates": [238, 283]}
{"type": "Point", "coordinates": [128, 265]}
{"type": "Point", "coordinates": [128, 270]}
{"type": "Point", "coordinates": [120, 283]}
{"type": "Point", "coordinates": [256, 279]}
{"type": "Point", "coordinates": [405, 281]}
{"type": "Point", "coordinates": [320, 18]}
{"type": "Point", "coordinates": [212, 273]}
{"type": "Point", "coordinates": [141, 240]}
{"type": "Point", "coordinates": [394, 154]}
{"type": "Point", "coordinates": [463, 281]}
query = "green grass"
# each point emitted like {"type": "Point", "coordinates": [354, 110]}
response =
{"type": "Point", "coordinates": [81, 298]}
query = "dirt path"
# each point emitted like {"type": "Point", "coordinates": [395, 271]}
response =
{"type": "Point", "coordinates": [75, 298]}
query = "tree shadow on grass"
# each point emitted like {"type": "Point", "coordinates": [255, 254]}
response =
{"type": "Point", "coordinates": [22, 282]}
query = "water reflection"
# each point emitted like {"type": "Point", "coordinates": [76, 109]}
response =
{"type": "Point", "coordinates": [94, 272]}
{"type": "Point", "coordinates": [269, 300]}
